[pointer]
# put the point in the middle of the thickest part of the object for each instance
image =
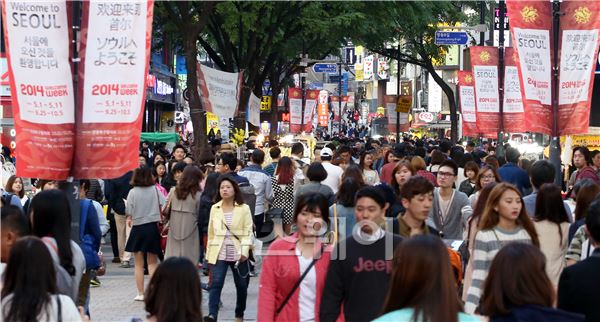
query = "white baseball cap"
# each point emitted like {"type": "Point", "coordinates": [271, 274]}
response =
{"type": "Point", "coordinates": [326, 152]}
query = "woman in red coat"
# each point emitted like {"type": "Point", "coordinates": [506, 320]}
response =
{"type": "Point", "coordinates": [295, 267]}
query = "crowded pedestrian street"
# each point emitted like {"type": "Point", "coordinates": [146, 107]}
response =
{"type": "Point", "coordinates": [299, 161]}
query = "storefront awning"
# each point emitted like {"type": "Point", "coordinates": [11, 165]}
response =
{"type": "Point", "coordinates": [159, 137]}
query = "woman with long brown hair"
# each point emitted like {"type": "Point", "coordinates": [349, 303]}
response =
{"type": "Point", "coordinates": [552, 225]}
{"type": "Point", "coordinates": [423, 287]}
{"type": "Point", "coordinates": [183, 203]}
{"type": "Point", "coordinates": [504, 220]}
{"type": "Point", "coordinates": [283, 191]}
{"type": "Point", "coordinates": [16, 186]}
{"type": "Point", "coordinates": [518, 289]}
{"type": "Point", "coordinates": [472, 229]}
{"type": "Point", "coordinates": [353, 171]}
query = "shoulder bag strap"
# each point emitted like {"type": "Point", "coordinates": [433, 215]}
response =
{"type": "Point", "coordinates": [231, 232]}
{"type": "Point", "coordinates": [287, 298]}
{"type": "Point", "coordinates": [496, 235]}
{"type": "Point", "coordinates": [58, 308]}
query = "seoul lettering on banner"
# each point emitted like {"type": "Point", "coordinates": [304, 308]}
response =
{"type": "Point", "coordinates": [514, 114]}
{"type": "Point", "coordinates": [580, 25]}
{"type": "Point", "coordinates": [37, 52]}
{"type": "Point", "coordinates": [113, 74]}
{"type": "Point", "coordinates": [467, 103]}
{"type": "Point", "coordinates": [484, 62]}
{"type": "Point", "coordinates": [530, 24]}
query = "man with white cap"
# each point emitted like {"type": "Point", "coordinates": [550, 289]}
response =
{"type": "Point", "coordinates": [334, 173]}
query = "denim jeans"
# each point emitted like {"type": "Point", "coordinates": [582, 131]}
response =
{"type": "Point", "coordinates": [241, 279]}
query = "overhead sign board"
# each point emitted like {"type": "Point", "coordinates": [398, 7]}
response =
{"type": "Point", "coordinates": [265, 103]}
{"type": "Point", "coordinates": [451, 38]}
{"type": "Point", "coordinates": [404, 104]}
{"type": "Point", "coordinates": [325, 68]}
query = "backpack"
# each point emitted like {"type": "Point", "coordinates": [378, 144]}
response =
{"type": "Point", "coordinates": [248, 195]}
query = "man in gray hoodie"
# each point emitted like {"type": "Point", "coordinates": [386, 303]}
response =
{"type": "Point", "coordinates": [451, 208]}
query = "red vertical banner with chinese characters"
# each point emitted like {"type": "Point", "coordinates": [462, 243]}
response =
{"type": "Point", "coordinates": [580, 25]}
{"type": "Point", "coordinates": [468, 110]}
{"type": "Point", "coordinates": [115, 50]}
{"type": "Point", "coordinates": [322, 109]}
{"type": "Point", "coordinates": [310, 105]}
{"type": "Point", "coordinates": [531, 25]}
{"type": "Point", "coordinates": [513, 113]}
{"type": "Point", "coordinates": [484, 62]}
{"type": "Point", "coordinates": [295, 102]}
{"type": "Point", "coordinates": [37, 37]}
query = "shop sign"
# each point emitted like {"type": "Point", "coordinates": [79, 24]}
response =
{"type": "Point", "coordinates": [426, 117]}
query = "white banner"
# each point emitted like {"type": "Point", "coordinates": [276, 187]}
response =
{"type": "Point", "coordinates": [434, 98]}
{"type": "Point", "coordinates": [253, 113]}
{"type": "Point", "coordinates": [467, 103]}
{"type": "Point", "coordinates": [368, 67]}
{"type": "Point", "coordinates": [513, 100]}
{"type": "Point", "coordinates": [486, 88]}
{"type": "Point", "coordinates": [115, 62]}
{"type": "Point", "coordinates": [533, 46]}
{"type": "Point", "coordinates": [382, 68]}
{"type": "Point", "coordinates": [38, 43]}
{"type": "Point", "coordinates": [219, 91]}
{"type": "Point", "coordinates": [577, 60]}
{"type": "Point", "coordinates": [309, 109]}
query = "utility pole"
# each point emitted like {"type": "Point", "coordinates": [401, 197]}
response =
{"type": "Point", "coordinates": [502, 12]}
{"type": "Point", "coordinates": [339, 97]}
{"type": "Point", "coordinates": [398, 97]}
{"type": "Point", "coordinates": [554, 143]}
{"type": "Point", "coordinates": [303, 64]}
{"type": "Point", "coordinates": [482, 21]}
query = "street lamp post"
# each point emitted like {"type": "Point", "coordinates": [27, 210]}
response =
{"type": "Point", "coordinates": [554, 144]}
{"type": "Point", "coordinates": [340, 97]}
{"type": "Point", "coordinates": [502, 9]}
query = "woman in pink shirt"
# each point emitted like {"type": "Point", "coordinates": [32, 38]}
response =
{"type": "Point", "coordinates": [295, 267]}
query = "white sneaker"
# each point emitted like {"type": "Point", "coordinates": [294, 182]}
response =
{"type": "Point", "coordinates": [139, 297]}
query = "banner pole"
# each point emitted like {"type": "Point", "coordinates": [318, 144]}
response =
{"type": "Point", "coordinates": [397, 97]}
{"type": "Point", "coordinates": [500, 147]}
{"type": "Point", "coordinates": [555, 144]}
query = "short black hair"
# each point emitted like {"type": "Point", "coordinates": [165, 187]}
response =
{"type": "Point", "coordinates": [451, 164]}
{"type": "Point", "coordinates": [541, 171]}
{"type": "Point", "coordinates": [179, 166]}
{"type": "Point", "coordinates": [344, 149]}
{"type": "Point", "coordinates": [592, 219]}
{"type": "Point", "coordinates": [229, 159]}
{"type": "Point", "coordinates": [84, 183]}
{"type": "Point", "coordinates": [416, 185]}
{"type": "Point", "coordinates": [586, 153]}
{"type": "Point", "coordinates": [512, 155]}
{"type": "Point", "coordinates": [275, 152]}
{"type": "Point", "coordinates": [445, 146]}
{"type": "Point", "coordinates": [215, 142]}
{"type": "Point", "coordinates": [297, 148]}
{"type": "Point", "coordinates": [471, 144]}
{"type": "Point", "coordinates": [14, 220]}
{"type": "Point", "coordinates": [179, 146]}
{"type": "Point", "coordinates": [372, 193]}
{"type": "Point", "coordinates": [316, 172]}
{"type": "Point", "coordinates": [273, 143]}
{"type": "Point", "coordinates": [258, 156]}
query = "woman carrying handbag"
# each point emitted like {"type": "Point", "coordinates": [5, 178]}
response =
{"type": "Point", "coordinates": [183, 239]}
{"type": "Point", "coordinates": [295, 267]}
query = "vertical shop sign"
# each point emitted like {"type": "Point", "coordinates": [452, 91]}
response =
{"type": "Point", "coordinates": [37, 38]}
{"type": "Point", "coordinates": [322, 110]}
{"type": "Point", "coordinates": [115, 50]}
{"type": "Point", "coordinates": [253, 112]}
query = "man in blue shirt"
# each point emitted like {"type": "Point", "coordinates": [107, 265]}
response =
{"type": "Point", "coordinates": [511, 173]}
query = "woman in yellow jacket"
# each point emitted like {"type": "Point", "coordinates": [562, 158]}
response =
{"type": "Point", "coordinates": [229, 242]}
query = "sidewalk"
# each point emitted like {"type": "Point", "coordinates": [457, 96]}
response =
{"type": "Point", "coordinates": [113, 301]}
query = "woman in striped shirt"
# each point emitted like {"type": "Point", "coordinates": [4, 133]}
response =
{"type": "Point", "coordinates": [504, 220]}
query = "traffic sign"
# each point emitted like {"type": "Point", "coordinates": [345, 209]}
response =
{"type": "Point", "coordinates": [325, 68]}
{"type": "Point", "coordinates": [451, 38]}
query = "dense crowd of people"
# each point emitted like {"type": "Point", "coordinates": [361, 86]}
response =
{"type": "Point", "coordinates": [422, 230]}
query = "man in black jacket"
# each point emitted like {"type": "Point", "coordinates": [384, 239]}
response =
{"type": "Point", "coordinates": [117, 191]}
{"type": "Point", "coordinates": [358, 278]}
{"type": "Point", "coordinates": [579, 284]}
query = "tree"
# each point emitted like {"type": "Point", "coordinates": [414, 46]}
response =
{"type": "Point", "coordinates": [185, 21]}
{"type": "Point", "coordinates": [413, 24]}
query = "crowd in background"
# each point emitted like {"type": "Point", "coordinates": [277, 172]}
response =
{"type": "Point", "coordinates": [365, 230]}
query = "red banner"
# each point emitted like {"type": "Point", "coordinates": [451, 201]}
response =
{"type": "Point", "coordinates": [484, 63]}
{"type": "Point", "coordinates": [530, 24]}
{"type": "Point", "coordinates": [579, 24]}
{"type": "Point", "coordinates": [295, 102]}
{"type": "Point", "coordinates": [468, 108]}
{"type": "Point", "coordinates": [40, 74]}
{"type": "Point", "coordinates": [322, 108]}
{"type": "Point", "coordinates": [512, 108]}
{"type": "Point", "coordinates": [115, 50]}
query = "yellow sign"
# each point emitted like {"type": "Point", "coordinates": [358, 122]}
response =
{"type": "Point", "coordinates": [212, 122]}
{"type": "Point", "coordinates": [404, 104]}
{"type": "Point", "coordinates": [265, 103]}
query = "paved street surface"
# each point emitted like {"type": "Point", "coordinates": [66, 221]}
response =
{"type": "Point", "coordinates": [113, 301]}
